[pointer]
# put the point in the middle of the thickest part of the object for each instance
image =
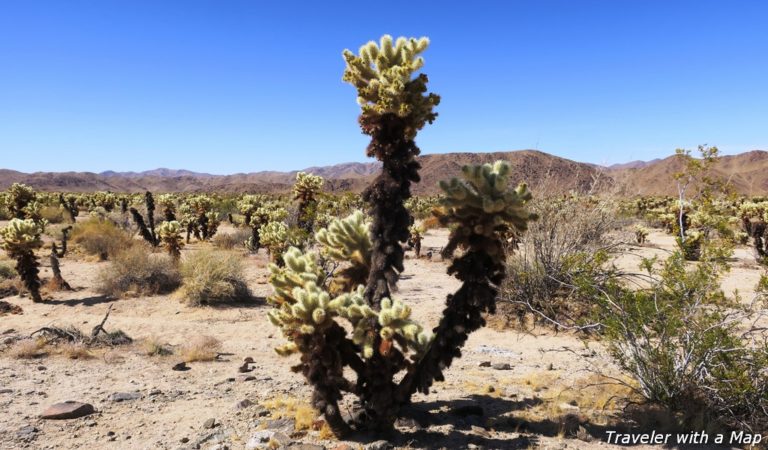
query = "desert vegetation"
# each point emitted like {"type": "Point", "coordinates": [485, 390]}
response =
{"type": "Point", "coordinates": [361, 316]}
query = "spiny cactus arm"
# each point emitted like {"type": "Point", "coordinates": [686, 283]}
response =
{"type": "Point", "coordinates": [143, 230]}
{"type": "Point", "coordinates": [481, 206]}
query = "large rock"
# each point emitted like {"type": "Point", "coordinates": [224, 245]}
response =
{"type": "Point", "coordinates": [67, 410]}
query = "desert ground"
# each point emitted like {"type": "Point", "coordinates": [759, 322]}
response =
{"type": "Point", "coordinates": [512, 389]}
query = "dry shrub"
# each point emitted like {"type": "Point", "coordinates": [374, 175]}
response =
{"type": "Point", "coordinates": [200, 348]}
{"type": "Point", "coordinates": [230, 241]}
{"type": "Point", "coordinates": [9, 308]}
{"type": "Point", "coordinates": [28, 348]}
{"type": "Point", "coordinates": [573, 239]}
{"type": "Point", "coordinates": [137, 271]}
{"type": "Point", "coordinates": [153, 346]}
{"type": "Point", "coordinates": [53, 214]}
{"type": "Point", "coordinates": [211, 277]}
{"type": "Point", "coordinates": [7, 272]}
{"type": "Point", "coordinates": [101, 237]}
{"type": "Point", "coordinates": [75, 350]}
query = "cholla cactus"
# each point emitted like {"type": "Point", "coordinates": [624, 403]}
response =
{"type": "Point", "coordinates": [20, 196]}
{"type": "Point", "coordinates": [69, 203]}
{"type": "Point", "coordinates": [348, 241]}
{"type": "Point", "coordinates": [170, 236]}
{"type": "Point", "coordinates": [417, 234]}
{"type": "Point", "coordinates": [305, 191]}
{"type": "Point", "coordinates": [20, 240]}
{"type": "Point", "coordinates": [168, 203]}
{"type": "Point", "coordinates": [274, 236]}
{"type": "Point", "coordinates": [641, 234]}
{"type": "Point", "coordinates": [383, 76]}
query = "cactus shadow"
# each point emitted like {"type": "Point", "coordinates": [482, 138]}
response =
{"type": "Point", "coordinates": [86, 301]}
{"type": "Point", "coordinates": [244, 303]}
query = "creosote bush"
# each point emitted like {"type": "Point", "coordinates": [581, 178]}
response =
{"type": "Point", "coordinates": [213, 277]}
{"type": "Point", "coordinates": [138, 271]}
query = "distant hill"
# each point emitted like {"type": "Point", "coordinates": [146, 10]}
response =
{"type": "Point", "coordinates": [747, 173]}
{"type": "Point", "coordinates": [546, 174]}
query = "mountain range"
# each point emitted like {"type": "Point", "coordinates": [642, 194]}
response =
{"type": "Point", "coordinates": [546, 174]}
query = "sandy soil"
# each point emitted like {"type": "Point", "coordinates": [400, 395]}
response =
{"type": "Point", "coordinates": [530, 404]}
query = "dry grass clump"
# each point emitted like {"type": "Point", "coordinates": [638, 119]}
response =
{"type": "Point", "coordinates": [303, 414]}
{"type": "Point", "coordinates": [153, 346]}
{"type": "Point", "coordinates": [211, 277]}
{"type": "Point", "coordinates": [28, 348]}
{"type": "Point", "coordinates": [9, 283]}
{"type": "Point", "coordinates": [137, 271]}
{"type": "Point", "coordinates": [101, 237]}
{"type": "Point", "coordinates": [200, 348]}
{"type": "Point", "coordinates": [7, 272]}
{"type": "Point", "coordinates": [230, 241]}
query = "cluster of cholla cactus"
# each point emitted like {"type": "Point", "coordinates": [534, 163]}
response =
{"type": "Point", "coordinates": [305, 191]}
{"type": "Point", "coordinates": [385, 340]}
{"type": "Point", "coordinates": [20, 197]}
{"type": "Point", "coordinates": [170, 236]}
{"type": "Point", "coordinates": [21, 237]}
{"type": "Point", "coordinates": [168, 203]}
{"type": "Point", "coordinates": [198, 217]}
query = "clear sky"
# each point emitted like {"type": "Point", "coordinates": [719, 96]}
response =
{"type": "Point", "coordinates": [240, 86]}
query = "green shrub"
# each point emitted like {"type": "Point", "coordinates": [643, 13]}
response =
{"type": "Point", "coordinates": [100, 237]}
{"type": "Point", "coordinates": [137, 271]}
{"type": "Point", "coordinates": [211, 277]}
{"type": "Point", "coordinates": [687, 346]}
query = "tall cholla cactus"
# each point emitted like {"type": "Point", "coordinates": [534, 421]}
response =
{"type": "Point", "coordinates": [20, 240]}
{"type": "Point", "coordinates": [21, 195]}
{"type": "Point", "coordinates": [385, 340]}
{"type": "Point", "coordinates": [305, 191]}
{"type": "Point", "coordinates": [169, 234]}
{"type": "Point", "coordinates": [274, 236]}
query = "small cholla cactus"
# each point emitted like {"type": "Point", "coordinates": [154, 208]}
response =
{"type": "Point", "coordinates": [641, 234]}
{"type": "Point", "coordinates": [20, 196]}
{"type": "Point", "coordinates": [417, 234]}
{"type": "Point", "coordinates": [170, 236]}
{"type": "Point", "coordinates": [305, 190]}
{"type": "Point", "coordinates": [21, 237]}
{"type": "Point", "coordinates": [69, 203]}
{"type": "Point", "coordinates": [168, 203]}
{"type": "Point", "coordinates": [274, 236]}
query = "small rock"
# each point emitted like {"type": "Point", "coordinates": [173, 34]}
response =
{"type": "Point", "coordinates": [124, 396]}
{"type": "Point", "coordinates": [261, 412]}
{"type": "Point", "coordinates": [41, 368]}
{"type": "Point", "coordinates": [480, 431]}
{"type": "Point", "coordinates": [284, 424]}
{"type": "Point", "coordinates": [485, 364]}
{"type": "Point", "coordinates": [281, 439]}
{"type": "Point", "coordinates": [244, 378]}
{"type": "Point", "coordinates": [379, 445]}
{"type": "Point", "coordinates": [182, 366]}
{"type": "Point", "coordinates": [242, 404]}
{"type": "Point", "coordinates": [27, 433]}
{"type": "Point", "coordinates": [302, 446]}
{"type": "Point", "coordinates": [259, 438]}
{"type": "Point", "coordinates": [155, 392]}
{"type": "Point", "coordinates": [501, 366]}
{"type": "Point", "coordinates": [6, 391]}
{"type": "Point", "coordinates": [244, 368]}
{"type": "Point", "coordinates": [343, 447]}
{"type": "Point", "coordinates": [248, 360]}
{"type": "Point", "coordinates": [67, 410]}
{"type": "Point", "coordinates": [210, 423]}
{"type": "Point", "coordinates": [91, 424]}
{"type": "Point", "coordinates": [184, 440]}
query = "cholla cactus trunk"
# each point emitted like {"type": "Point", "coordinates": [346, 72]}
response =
{"type": "Point", "coordinates": [123, 205]}
{"type": "Point", "coordinates": [150, 202]}
{"type": "Point", "coordinates": [27, 268]}
{"type": "Point", "coordinates": [202, 232]}
{"type": "Point", "coordinates": [386, 197]}
{"type": "Point", "coordinates": [143, 230]}
{"type": "Point", "coordinates": [64, 239]}
{"type": "Point", "coordinates": [58, 278]}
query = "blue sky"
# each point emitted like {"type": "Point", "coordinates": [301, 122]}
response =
{"type": "Point", "coordinates": [241, 86]}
